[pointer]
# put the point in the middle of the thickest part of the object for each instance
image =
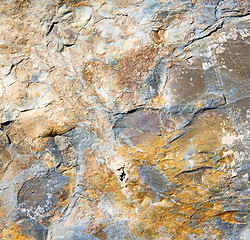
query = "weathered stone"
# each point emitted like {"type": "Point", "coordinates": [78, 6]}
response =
{"type": "Point", "coordinates": [37, 196]}
{"type": "Point", "coordinates": [3, 139]}
{"type": "Point", "coordinates": [155, 178]}
{"type": "Point", "coordinates": [124, 119]}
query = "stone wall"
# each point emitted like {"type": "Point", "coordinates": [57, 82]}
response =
{"type": "Point", "coordinates": [124, 119]}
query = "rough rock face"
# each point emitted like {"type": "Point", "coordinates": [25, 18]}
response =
{"type": "Point", "coordinates": [124, 119]}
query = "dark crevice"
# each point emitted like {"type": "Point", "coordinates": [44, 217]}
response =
{"type": "Point", "coordinates": [175, 137]}
{"type": "Point", "coordinates": [118, 116]}
{"type": "Point", "coordinates": [54, 133]}
{"type": "Point", "coordinates": [122, 174]}
{"type": "Point", "coordinates": [5, 124]}
{"type": "Point", "coordinates": [131, 111]}
{"type": "Point", "coordinates": [217, 7]}
{"type": "Point", "coordinates": [65, 170]}
{"type": "Point", "coordinates": [14, 65]}
{"type": "Point", "coordinates": [137, 108]}
{"type": "Point", "coordinates": [220, 25]}
{"type": "Point", "coordinates": [7, 166]}
{"type": "Point", "coordinates": [229, 211]}
{"type": "Point", "coordinates": [197, 113]}
{"type": "Point", "coordinates": [51, 28]}
{"type": "Point", "coordinates": [3, 189]}
{"type": "Point", "coordinates": [239, 16]}
{"type": "Point", "coordinates": [194, 170]}
{"type": "Point", "coordinates": [9, 140]}
{"type": "Point", "coordinates": [204, 152]}
{"type": "Point", "coordinates": [26, 110]}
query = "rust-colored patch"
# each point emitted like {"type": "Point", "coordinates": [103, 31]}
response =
{"type": "Point", "coordinates": [74, 3]}
{"type": "Point", "coordinates": [15, 8]}
{"type": "Point", "coordinates": [185, 206]}
{"type": "Point", "coordinates": [64, 195]}
{"type": "Point", "coordinates": [96, 229]}
{"type": "Point", "coordinates": [13, 232]}
{"type": "Point", "coordinates": [135, 65]}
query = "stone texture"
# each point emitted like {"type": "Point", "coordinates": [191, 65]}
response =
{"type": "Point", "coordinates": [124, 119]}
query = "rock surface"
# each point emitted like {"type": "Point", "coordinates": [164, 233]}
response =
{"type": "Point", "coordinates": [124, 119]}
